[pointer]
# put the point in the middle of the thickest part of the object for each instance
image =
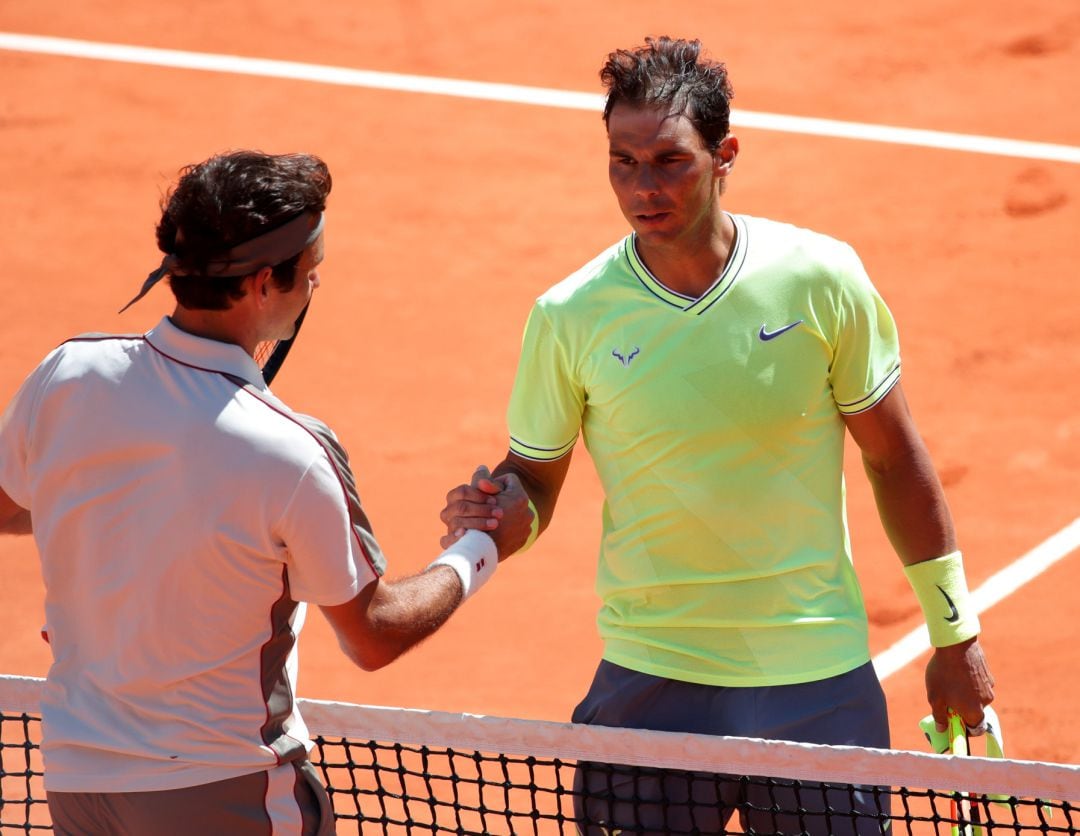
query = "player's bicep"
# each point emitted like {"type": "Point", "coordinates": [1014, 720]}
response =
{"type": "Point", "coordinates": [886, 432]}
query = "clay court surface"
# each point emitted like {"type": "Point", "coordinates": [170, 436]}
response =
{"type": "Point", "coordinates": [449, 215]}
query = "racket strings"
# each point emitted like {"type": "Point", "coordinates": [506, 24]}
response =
{"type": "Point", "coordinates": [270, 355]}
{"type": "Point", "coordinates": [264, 350]}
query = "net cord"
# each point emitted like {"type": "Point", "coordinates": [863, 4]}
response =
{"type": "Point", "coordinates": [734, 755]}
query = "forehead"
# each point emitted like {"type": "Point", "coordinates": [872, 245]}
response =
{"type": "Point", "coordinates": [313, 254]}
{"type": "Point", "coordinates": [643, 126]}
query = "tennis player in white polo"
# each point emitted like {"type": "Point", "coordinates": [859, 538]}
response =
{"type": "Point", "coordinates": [183, 514]}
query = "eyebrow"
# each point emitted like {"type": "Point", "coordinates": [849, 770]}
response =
{"type": "Point", "coordinates": [665, 149]}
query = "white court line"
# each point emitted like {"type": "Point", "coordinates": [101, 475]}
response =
{"type": "Point", "coordinates": [518, 94]}
{"type": "Point", "coordinates": [996, 588]}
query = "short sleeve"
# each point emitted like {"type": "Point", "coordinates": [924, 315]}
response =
{"type": "Point", "coordinates": [547, 401]}
{"type": "Point", "coordinates": [16, 425]}
{"type": "Point", "coordinates": [331, 555]}
{"type": "Point", "coordinates": [866, 355]}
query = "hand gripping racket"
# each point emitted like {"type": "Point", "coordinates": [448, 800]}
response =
{"type": "Point", "coordinates": [956, 741]}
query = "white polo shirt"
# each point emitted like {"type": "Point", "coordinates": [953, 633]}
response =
{"type": "Point", "coordinates": [181, 514]}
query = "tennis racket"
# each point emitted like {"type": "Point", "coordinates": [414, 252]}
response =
{"type": "Point", "coordinates": [271, 355]}
{"type": "Point", "coordinates": [955, 741]}
{"type": "Point", "coordinates": [961, 808]}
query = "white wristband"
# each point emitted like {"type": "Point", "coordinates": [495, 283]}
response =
{"type": "Point", "coordinates": [474, 558]}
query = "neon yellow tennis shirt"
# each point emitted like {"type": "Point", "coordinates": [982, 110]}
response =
{"type": "Point", "coordinates": [715, 427]}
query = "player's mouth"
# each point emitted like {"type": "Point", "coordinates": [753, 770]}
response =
{"type": "Point", "coordinates": [652, 217]}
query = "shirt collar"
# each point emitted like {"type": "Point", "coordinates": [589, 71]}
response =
{"type": "Point", "coordinates": [203, 353]}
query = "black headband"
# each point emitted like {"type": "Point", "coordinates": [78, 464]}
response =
{"type": "Point", "coordinates": [266, 250]}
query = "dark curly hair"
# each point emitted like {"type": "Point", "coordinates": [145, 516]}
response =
{"type": "Point", "coordinates": [672, 72]}
{"type": "Point", "coordinates": [227, 200]}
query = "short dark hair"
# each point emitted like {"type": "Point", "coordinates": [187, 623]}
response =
{"type": "Point", "coordinates": [227, 200]}
{"type": "Point", "coordinates": [670, 71]}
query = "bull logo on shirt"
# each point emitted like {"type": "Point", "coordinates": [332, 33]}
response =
{"type": "Point", "coordinates": [625, 359]}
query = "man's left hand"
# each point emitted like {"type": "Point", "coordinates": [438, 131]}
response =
{"type": "Point", "coordinates": [958, 678]}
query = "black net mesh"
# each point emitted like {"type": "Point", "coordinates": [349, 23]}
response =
{"type": "Point", "coordinates": [391, 787]}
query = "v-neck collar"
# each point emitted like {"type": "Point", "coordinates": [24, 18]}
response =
{"type": "Point", "coordinates": [685, 303]}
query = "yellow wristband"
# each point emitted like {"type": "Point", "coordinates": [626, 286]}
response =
{"type": "Point", "coordinates": [942, 591]}
{"type": "Point", "coordinates": [534, 529]}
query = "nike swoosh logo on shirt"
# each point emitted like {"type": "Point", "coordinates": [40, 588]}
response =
{"type": "Point", "coordinates": [953, 616]}
{"type": "Point", "coordinates": [765, 336]}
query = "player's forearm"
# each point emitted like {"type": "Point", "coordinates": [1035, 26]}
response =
{"type": "Point", "coordinates": [412, 609]}
{"type": "Point", "coordinates": [542, 482]}
{"type": "Point", "coordinates": [390, 617]}
{"type": "Point", "coordinates": [387, 618]}
{"type": "Point", "coordinates": [912, 506]}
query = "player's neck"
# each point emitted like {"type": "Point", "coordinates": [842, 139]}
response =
{"type": "Point", "coordinates": [214, 325]}
{"type": "Point", "coordinates": [691, 263]}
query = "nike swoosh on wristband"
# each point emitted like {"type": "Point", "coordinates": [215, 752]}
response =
{"type": "Point", "coordinates": [765, 336]}
{"type": "Point", "coordinates": [954, 616]}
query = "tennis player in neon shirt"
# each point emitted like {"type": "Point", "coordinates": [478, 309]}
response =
{"type": "Point", "coordinates": [712, 363]}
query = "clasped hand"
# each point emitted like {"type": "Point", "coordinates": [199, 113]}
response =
{"type": "Point", "coordinates": [497, 505]}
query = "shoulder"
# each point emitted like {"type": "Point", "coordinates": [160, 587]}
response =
{"type": "Point", "coordinates": [296, 441]}
{"type": "Point", "coordinates": [86, 356]}
{"type": "Point", "coordinates": [804, 256]}
{"type": "Point", "coordinates": [607, 268]}
{"type": "Point", "coordinates": [791, 241]}
{"type": "Point", "coordinates": [90, 345]}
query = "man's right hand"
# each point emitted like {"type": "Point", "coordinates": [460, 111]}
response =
{"type": "Point", "coordinates": [497, 505]}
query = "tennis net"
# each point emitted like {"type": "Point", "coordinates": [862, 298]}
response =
{"type": "Point", "coordinates": [408, 771]}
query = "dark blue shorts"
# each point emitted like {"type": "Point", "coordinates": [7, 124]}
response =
{"type": "Point", "coordinates": [847, 710]}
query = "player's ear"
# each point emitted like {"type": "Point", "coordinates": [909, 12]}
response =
{"type": "Point", "coordinates": [262, 284]}
{"type": "Point", "coordinates": [724, 155]}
